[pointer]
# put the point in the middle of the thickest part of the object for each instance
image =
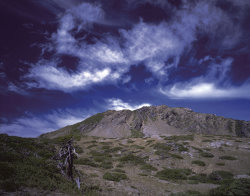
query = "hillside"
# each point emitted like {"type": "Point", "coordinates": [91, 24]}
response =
{"type": "Point", "coordinates": [186, 165]}
{"type": "Point", "coordinates": [154, 121]}
{"type": "Point", "coordinates": [154, 150]}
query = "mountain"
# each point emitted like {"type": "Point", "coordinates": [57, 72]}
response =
{"type": "Point", "coordinates": [187, 153]}
{"type": "Point", "coordinates": [153, 121]}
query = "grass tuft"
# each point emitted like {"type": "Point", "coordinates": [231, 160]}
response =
{"type": "Point", "coordinates": [226, 157]}
{"type": "Point", "coordinates": [117, 177]}
{"type": "Point", "coordinates": [173, 174]}
{"type": "Point", "coordinates": [198, 162]}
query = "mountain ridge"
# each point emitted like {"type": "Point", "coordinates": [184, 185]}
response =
{"type": "Point", "coordinates": [153, 121]}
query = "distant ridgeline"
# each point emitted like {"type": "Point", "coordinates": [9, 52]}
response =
{"type": "Point", "coordinates": [153, 121]}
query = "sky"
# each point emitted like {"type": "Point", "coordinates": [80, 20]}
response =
{"type": "Point", "coordinates": [62, 61]}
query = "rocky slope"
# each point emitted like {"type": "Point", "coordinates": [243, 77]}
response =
{"type": "Point", "coordinates": [154, 121]}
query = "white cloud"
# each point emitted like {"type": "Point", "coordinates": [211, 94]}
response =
{"type": "Point", "coordinates": [13, 88]}
{"type": "Point", "coordinates": [207, 91]}
{"type": "Point", "coordinates": [88, 13]}
{"type": "Point", "coordinates": [214, 84]}
{"type": "Point", "coordinates": [31, 126]}
{"type": "Point", "coordinates": [118, 104]}
{"type": "Point", "coordinates": [51, 77]}
{"type": "Point", "coordinates": [157, 46]}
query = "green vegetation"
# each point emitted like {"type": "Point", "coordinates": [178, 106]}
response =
{"type": "Point", "coordinates": [132, 159]}
{"type": "Point", "coordinates": [202, 178]}
{"type": "Point", "coordinates": [180, 137]}
{"type": "Point", "coordinates": [176, 156]}
{"type": "Point", "coordinates": [26, 162]}
{"type": "Point", "coordinates": [119, 170]}
{"type": "Point", "coordinates": [136, 133]}
{"type": "Point", "coordinates": [235, 187]}
{"type": "Point", "coordinates": [161, 149]}
{"type": "Point", "coordinates": [220, 176]}
{"type": "Point", "coordinates": [239, 128]}
{"type": "Point", "coordinates": [94, 119]}
{"type": "Point", "coordinates": [207, 140]}
{"type": "Point", "coordinates": [173, 174]}
{"type": "Point", "coordinates": [138, 147]}
{"type": "Point", "coordinates": [220, 164]}
{"type": "Point", "coordinates": [104, 159]}
{"type": "Point", "coordinates": [106, 164]}
{"type": "Point", "coordinates": [130, 141]}
{"type": "Point", "coordinates": [148, 142]}
{"type": "Point", "coordinates": [198, 162]}
{"type": "Point", "coordinates": [114, 176]}
{"type": "Point", "coordinates": [187, 193]}
{"type": "Point", "coordinates": [181, 148]}
{"type": "Point", "coordinates": [86, 161]}
{"type": "Point", "coordinates": [226, 157]}
{"type": "Point", "coordinates": [142, 174]}
{"type": "Point", "coordinates": [91, 146]}
{"type": "Point", "coordinates": [148, 167]}
{"type": "Point", "coordinates": [207, 154]}
{"type": "Point", "coordinates": [79, 149]}
{"type": "Point", "coordinates": [198, 149]}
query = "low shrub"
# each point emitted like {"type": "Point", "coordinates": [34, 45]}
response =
{"type": "Point", "coordinates": [117, 177]}
{"type": "Point", "coordinates": [181, 148]}
{"type": "Point", "coordinates": [132, 159]}
{"type": "Point", "coordinates": [148, 167]}
{"type": "Point", "coordinates": [106, 164]}
{"type": "Point", "coordinates": [198, 162]}
{"type": "Point", "coordinates": [236, 187]}
{"type": "Point", "coordinates": [207, 140]}
{"type": "Point", "coordinates": [136, 133]}
{"type": "Point", "coordinates": [198, 149]}
{"type": "Point", "coordinates": [226, 157]}
{"type": "Point", "coordinates": [220, 176]}
{"type": "Point", "coordinates": [202, 178]}
{"type": "Point", "coordinates": [161, 149]}
{"type": "Point", "coordinates": [119, 170]}
{"type": "Point", "coordinates": [207, 154]}
{"type": "Point", "coordinates": [91, 146]}
{"type": "Point", "coordinates": [180, 137]}
{"type": "Point", "coordinates": [187, 193]}
{"type": "Point", "coordinates": [220, 164]}
{"type": "Point", "coordinates": [130, 141]}
{"type": "Point", "coordinates": [173, 174]}
{"type": "Point", "coordinates": [79, 149]}
{"type": "Point", "coordinates": [85, 161]}
{"type": "Point", "coordinates": [137, 147]}
{"type": "Point", "coordinates": [176, 156]}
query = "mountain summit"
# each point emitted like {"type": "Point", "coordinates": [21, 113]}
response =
{"type": "Point", "coordinates": [154, 121]}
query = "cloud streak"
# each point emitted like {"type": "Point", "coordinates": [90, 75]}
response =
{"type": "Point", "coordinates": [51, 77]}
{"type": "Point", "coordinates": [118, 104]}
{"type": "Point", "coordinates": [207, 91]}
{"type": "Point", "coordinates": [33, 126]}
{"type": "Point", "coordinates": [106, 58]}
{"type": "Point", "coordinates": [214, 84]}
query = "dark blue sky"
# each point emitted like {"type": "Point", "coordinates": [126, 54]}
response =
{"type": "Point", "coordinates": [63, 60]}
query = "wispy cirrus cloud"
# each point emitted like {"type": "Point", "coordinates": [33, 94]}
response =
{"type": "Point", "coordinates": [207, 91]}
{"type": "Point", "coordinates": [110, 56]}
{"type": "Point", "coordinates": [33, 126]}
{"type": "Point", "coordinates": [214, 84]}
{"type": "Point", "coordinates": [49, 76]}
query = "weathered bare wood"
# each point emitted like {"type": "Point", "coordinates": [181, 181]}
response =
{"type": "Point", "coordinates": [66, 156]}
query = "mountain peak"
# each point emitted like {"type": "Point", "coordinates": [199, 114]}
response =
{"type": "Point", "coordinates": [154, 121]}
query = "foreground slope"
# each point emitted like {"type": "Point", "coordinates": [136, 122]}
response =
{"type": "Point", "coordinates": [154, 121]}
{"type": "Point", "coordinates": [186, 165]}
